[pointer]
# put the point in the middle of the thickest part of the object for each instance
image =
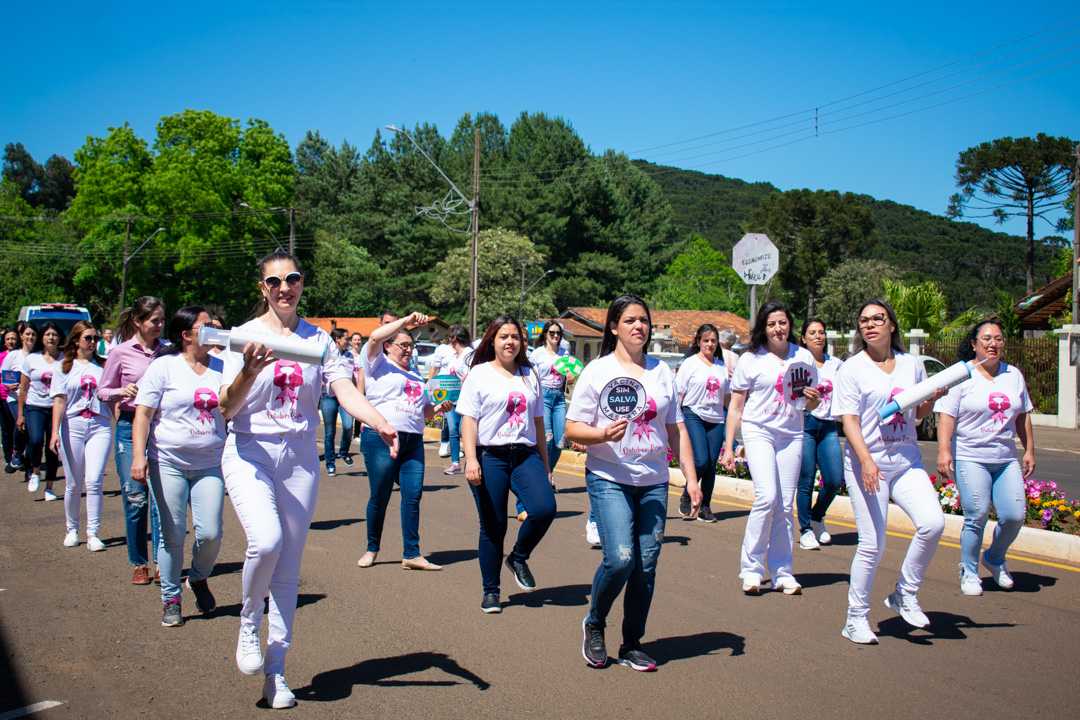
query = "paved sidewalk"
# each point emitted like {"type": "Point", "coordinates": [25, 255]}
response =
{"type": "Point", "coordinates": [1057, 439]}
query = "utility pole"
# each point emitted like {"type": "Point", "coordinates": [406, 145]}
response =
{"type": "Point", "coordinates": [475, 274]}
{"type": "Point", "coordinates": [521, 308]}
{"type": "Point", "coordinates": [123, 270]}
{"type": "Point", "coordinates": [292, 231]}
{"type": "Point", "coordinates": [1076, 238]}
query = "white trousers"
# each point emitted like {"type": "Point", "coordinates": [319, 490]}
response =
{"type": "Point", "coordinates": [85, 444]}
{"type": "Point", "coordinates": [913, 493]}
{"type": "Point", "coordinates": [775, 463]}
{"type": "Point", "coordinates": [273, 482]}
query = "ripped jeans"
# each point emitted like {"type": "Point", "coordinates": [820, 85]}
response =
{"type": "Point", "coordinates": [631, 522]}
{"type": "Point", "coordinates": [139, 503]}
{"type": "Point", "coordinates": [979, 485]}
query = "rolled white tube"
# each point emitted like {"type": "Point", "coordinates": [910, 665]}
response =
{"type": "Point", "coordinates": [907, 399]}
{"type": "Point", "coordinates": [285, 348]}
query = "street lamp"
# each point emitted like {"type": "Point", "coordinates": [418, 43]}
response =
{"type": "Point", "coordinates": [127, 259]}
{"type": "Point", "coordinates": [279, 248]}
{"type": "Point", "coordinates": [521, 309]}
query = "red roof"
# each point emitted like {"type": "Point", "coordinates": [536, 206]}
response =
{"type": "Point", "coordinates": [364, 326]}
{"type": "Point", "coordinates": [683, 323]}
{"type": "Point", "coordinates": [577, 329]}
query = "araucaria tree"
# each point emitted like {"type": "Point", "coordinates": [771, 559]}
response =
{"type": "Point", "coordinates": [1007, 178]}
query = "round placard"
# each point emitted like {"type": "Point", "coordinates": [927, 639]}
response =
{"type": "Point", "coordinates": [622, 399]}
{"type": "Point", "coordinates": [798, 377]}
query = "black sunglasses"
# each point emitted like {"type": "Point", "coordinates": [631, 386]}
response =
{"type": "Point", "coordinates": [274, 282]}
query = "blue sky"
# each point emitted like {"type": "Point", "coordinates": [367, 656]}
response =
{"type": "Point", "coordinates": [629, 76]}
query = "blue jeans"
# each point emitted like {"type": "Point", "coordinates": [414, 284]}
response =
{"type": "Point", "coordinates": [135, 496]}
{"type": "Point", "coordinates": [506, 467]}
{"type": "Point", "coordinates": [408, 470]}
{"type": "Point", "coordinates": [554, 423]}
{"type": "Point", "coordinates": [980, 484]}
{"type": "Point", "coordinates": [331, 408]}
{"type": "Point", "coordinates": [631, 523]}
{"type": "Point", "coordinates": [707, 440]}
{"type": "Point", "coordinates": [19, 438]}
{"type": "Point", "coordinates": [445, 436]}
{"type": "Point", "coordinates": [174, 489]}
{"type": "Point", "coordinates": [454, 420]}
{"type": "Point", "coordinates": [821, 449]}
{"type": "Point", "coordinates": [39, 428]}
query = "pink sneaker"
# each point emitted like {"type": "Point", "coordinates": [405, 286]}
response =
{"type": "Point", "coordinates": [454, 469]}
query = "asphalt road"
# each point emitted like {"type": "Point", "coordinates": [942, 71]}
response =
{"type": "Point", "coordinates": [385, 642]}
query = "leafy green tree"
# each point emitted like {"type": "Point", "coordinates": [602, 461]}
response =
{"type": "Point", "coordinates": [22, 171]}
{"type": "Point", "coordinates": [701, 278]}
{"type": "Point", "coordinates": [848, 285]}
{"type": "Point", "coordinates": [924, 306]}
{"type": "Point", "coordinates": [343, 281]}
{"type": "Point", "coordinates": [1007, 178]}
{"type": "Point", "coordinates": [48, 187]}
{"type": "Point", "coordinates": [1007, 316]}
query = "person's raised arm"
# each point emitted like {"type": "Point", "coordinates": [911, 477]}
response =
{"type": "Point", "coordinates": [383, 333]}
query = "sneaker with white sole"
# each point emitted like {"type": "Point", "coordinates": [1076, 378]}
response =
{"type": "Point", "coordinates": [807, 541]}
{"type": "Point", "coordinates": [94, 544]}
{"type": "Point", "coordinates": [907, 606]}
{"type": "Point", "coordinates": [444, 449]}
{"type": "Point", "coordinates": [593, 648]}
{"type": "Point", "coordinates": [632, 657]}
{"type": "Point", "coordinates": [276, 693]}
{"type": "Point", "coordinates": [170, 614]}
{"type": "Point", "coordinates": [249, 657]}
{"type": "Point", "coordinates": [71, 539]}
{"type": "Point", "coordinates": [33, 482]}
{"type": "Point", "coordinates": [50, 496]}
{"type": "Point", "coordinates": [969, 584]}
{"type": "Point", "coordinates": [788, 584]}
{"type": "Point", "coordinates": [998, 574]}
{"type": "Point", "coordinates": [823, 536]}
{"type": "Point", "coordinates": [857, 630]}
{"type": "Point", "coordinates": [454, 469]}
{"type": "Point", "coordinates": [751, 584]}
{"type": "Point", "coordinates": [592, 533]}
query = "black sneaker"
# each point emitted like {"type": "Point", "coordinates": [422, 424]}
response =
{"type": "Point", "coordinates": [521, 574]}
{"type": "Point", "coordinates": [593, 647]}
{"type": "Point", "coordinates": [347, 459]}
{"type": "Point", "coordinates": [685, 505]}
{"type": "Point", "coordinates": [9, 468]}
{"type": "Point", "coordinates": [705, 514]}
{"type": "Point", "coordinates": [204, 599]}
{"type": "Point", "coordinates": [170, 614]}
{"type": "Point", "coordinates": [490, 603]}
{"type": "Point", "coordinates": [331, 470]}
{"type": "Point", "coordinates": [632, 657]}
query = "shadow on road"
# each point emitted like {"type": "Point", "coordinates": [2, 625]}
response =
{"type": "Point", "coordinates": [12, 695]}
{"type": "Point", "coordinates": [845, 539]}
{"type": "Point", "coordinates": [301, 600]}
{"type": "Point", "coordinates": [567, 513]}
{"type": "Point", "coordinates": [338, 684]}
{"type": "Point", "coordinates": [677, 540]}
{"type": "Point", "coordinates": [227, 568]}
{"type": "Point", "coordinates": [449, 557]}
{"type": "Point", "coordinates": [1024, 582]}
{"type": "Point", "coordinates": [572, 490]}
{"type": "Point", "coordinates": [667, 650]}
{"type": "Point", "coordinates": [563, 596]}
{"type": "Point", "coordinates": [813, 580]}
{"type": "Point", "coordinates": [331, 524]}
{"type": "Point", "coordinates": [943, 626]}
{"type": "Point", "coordinates": [436, 488]}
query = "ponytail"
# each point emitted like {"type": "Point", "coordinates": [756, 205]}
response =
{"type": "Point", "coordinates": [142, 308]}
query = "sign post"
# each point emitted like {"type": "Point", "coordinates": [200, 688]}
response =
{"type": "Point", "coordinates": [756, 260]}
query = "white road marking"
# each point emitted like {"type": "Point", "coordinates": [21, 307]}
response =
{"type": "Point", "coordinates": [36, 707]}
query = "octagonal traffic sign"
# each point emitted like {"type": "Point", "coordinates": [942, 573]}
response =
{"type": "Point", "coordinates": [755, 258]}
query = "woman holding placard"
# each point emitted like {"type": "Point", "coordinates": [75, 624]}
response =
{"type": "Point", "coordinates": [501, 409]}
{"type": "Point", "coordinates": [36, 407]}
{"type": "Point", "coordinates": [398, 394]}
{"type": "Point", "coordinates": [702, 384]}
{"type": "Point", "coordinates": [978, 422]}
{"type": "Point", "coordinates": [625, 410]}
{"type": "Point", "coordinates": [11, 369]}
{"type": "Point", "coordinates": [882, 462]}
{"type": "Point", "coordinates": [774, 382]}
{"type": "Point", "coordinates": [271, 460]}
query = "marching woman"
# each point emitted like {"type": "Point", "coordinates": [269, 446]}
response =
{"type": "Point", "coordinates": [178, 436]}
{"type": "Point", "coordinates": [702, 384]}
{"type": "Point", "coordinates": [626, 473]}
{"type": "Point", "coordinates": [271, 462]}
{"type": "Point", "coordinates": [13, 362]}
{"type": "Point", "coordinates": [458, 364]}
{"type": "Point", "coordinates": [397, 393]}
{"type": "Point", "coordinates": [553, 383]}
{"type": "Point", "coordinates": [139, 329]}
{"type": "Point", "coordinates": [330, 409]}
{"type": "Point", "coordinates": [81, 432]}
{"type": "Point", "coordinates": [501, 407]}
{"type": "Point", "coordinates": [770, 383]}
{"type": "Point", "coordinates": [821, 445]}
{"type": "Point", "coordinates": [978, 422]}
{"type": "Point", "coordinates": [36, 407]}
{"type": "Point", "coordinates": [9, 401]}
{"type": "Point", "coordinates": [882, 461]}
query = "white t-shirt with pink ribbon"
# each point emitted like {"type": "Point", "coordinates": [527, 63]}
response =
{"type": "Point", "coordinates": [79, 388]}
{"type": "Point", "coordinates": [703, 388]}
{"type": "Point", "coordinates": [826, 388]}
{"type": "Point", "coordinates": [41, 374]}
{"type": "Point", "coordinates": [640, 458]}
{"type": "Point", "coordinates": [188, 430]}
{"type": "Point", "coordinates": [774, 401]}
{"type": "Point", "coordinates": [285, 395]}
{"type": "Point", "coordinates": [544, 362]}
{"type": "Point", "coordinates": [862, 388]}
{"type": "Point", "coordinates": [505, 408]}
{"type": "Point", "coordinates": [986, 413]}
{"type": "Point", "coordinates": [397, 394]}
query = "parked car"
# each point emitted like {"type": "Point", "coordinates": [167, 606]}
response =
{"type": "Point", "coordinates": [927, 427]}
{"type": "Point", "coordinates": [672, 360]}
{"type": "Point", "coordinates": [65, 315]}
{"type": "Point", "coordinates": [424, 351]}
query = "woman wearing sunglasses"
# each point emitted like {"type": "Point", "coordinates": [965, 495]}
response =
{"type": "Point", "coordinates": [882, 462]}
{"type": "Point", "coordinates": [271, 461]}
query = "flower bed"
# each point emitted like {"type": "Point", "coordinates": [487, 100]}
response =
{"type": "Point", "coordinates": [741, 471]}
{"type": "Point", "coordinates": [1047, 507]}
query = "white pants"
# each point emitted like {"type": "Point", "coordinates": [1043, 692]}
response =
{"type": "Point", "coordinates": [775, 464]}
{"type": "Point", "coordinates": [85, 444]}
{"type": "Point", "coordinates": [913, 493]}
{"type": "Point", "coordinates": [273, 482]}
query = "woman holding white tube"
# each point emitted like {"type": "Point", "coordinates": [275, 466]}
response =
{"type": "Point", "coordinates": [81, 432]}
{"type": "Point", "coordinates": [882, 461]}
{"type": "Point", "coordinates": [271, 462]}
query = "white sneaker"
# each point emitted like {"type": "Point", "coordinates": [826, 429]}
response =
{"type": "Point", "coordinates": [71, 539]}
{"type": "Point", "coordinates": [33, 483]}
{"type": "Point", "coordinates": [276, 693]}
{"type": "Point", "coordinates": [592, 533]}
{"type": "Point", "coordinates": [908, 608]}
{"type": "Point", "coordinates": [751, 584]}
{"type": "Point", "coordinates": [50, 496]}
{"type": "Point", "coordinates": [969, 584]}
{"type": "Point", "coordinates": [94, 544]}
{"type": "Point", "coordinates": [788, 584]}
{"type": "Point", "coordinates": [998, 573]}
{"type": "Point", "coordinates": [249, 657]}
{"type": "Point", "coordinates": [444, 449]}
{"type": "Point", "coordinates": [461, 454]}
{"type": "Point", "coordinates": [807, 541]}
{"type": "Point", "coordinates": [857, 630]}
{"type": "Point", "coordinates": [823, 536]}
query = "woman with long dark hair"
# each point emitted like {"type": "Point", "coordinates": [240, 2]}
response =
{"type": "Point", "coordinates": [36, 407]}
{"type": "Point", "coordinates": [554, 384]}
{"type": "Point", "coordinates": [179, 434]}
{"type": "Point", "coordinates": [882, 462]}
{"type": "Point", "coordinates": [331, 409]}
{"type": "Point", "coordinates": [978, 423]}
{"type": "Point", "coordinates": [625, 410]}
{"type": "Point", "coordinates": [458, 364]}
{"type": "Point", "coordinates": [772, 385]}
{"type": "Point", "coordinates": [702, 384]}
{"type": "Point", "coordinates": [20, 439]}
{"type": "Point", "coordinates": [501, 407]}
{"type": "Point", "coordinates": [8, 400]}
{"type": "Point", "coordinates": [81, 432]}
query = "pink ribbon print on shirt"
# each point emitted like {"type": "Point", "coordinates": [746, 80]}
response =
{"type": "Point", "coordinates": [825, 388]}
{"type": "Point", "coordinates": [46, 380]}
{"type": "Point", "coordinates": [712, 387]}
{"type": "Point", "coordinates": [88, 384]}
{"type": "Point", "coordinates": [516, 405]}
{"type": "Point", "coordinates": [644, 431]}
{"type": "Point", "coordinates": [999, 403]}
{"type": "Point", "coordinates": [413, 392]}
{"type": "Point", "coordinates": [288, 376]}
{"type": "Point", "coordinates": [897, 421]}
{"type": "Point", "coordinates": [205, 402]}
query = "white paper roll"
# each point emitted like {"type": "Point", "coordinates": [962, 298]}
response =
{"type": "Point", "coordinates": [285, 348]}
{"type": "Point", "coordinates": [907, 399]}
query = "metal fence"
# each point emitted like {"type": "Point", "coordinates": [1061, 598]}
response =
{"type": "Point", "coordinates": [1037, 358]}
